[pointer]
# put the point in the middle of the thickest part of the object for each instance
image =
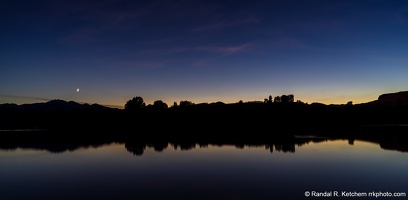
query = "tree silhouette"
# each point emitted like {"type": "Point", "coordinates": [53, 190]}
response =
{"type": "Point", "coordinates": [291, 98]}
{"type": "Point", "coordinates": [269, 99]}
{"type": "Point", "coordinates": [134, 104]}
{"type": "Point", "coordinates": [284, 99]}
{"type": "Point", "coordinates": [159, 105]}
{"type": "Point", "coordinates": [186, 103]}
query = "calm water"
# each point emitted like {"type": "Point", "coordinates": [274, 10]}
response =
{"type": "Point", "coordinates": [214, 172]}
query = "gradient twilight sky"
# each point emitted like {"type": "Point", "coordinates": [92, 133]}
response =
{"type": "Point", "coordinates": [329, 51]}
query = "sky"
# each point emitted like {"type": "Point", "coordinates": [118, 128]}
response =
{"type": "Point", "coordinates": [326, 51]}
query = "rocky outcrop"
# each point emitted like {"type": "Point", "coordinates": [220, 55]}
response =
{"type": "Point", "coordinates": [398, 98]}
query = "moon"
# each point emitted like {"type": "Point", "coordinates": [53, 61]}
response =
{"type": "Point", "coordinates": [77, 89]}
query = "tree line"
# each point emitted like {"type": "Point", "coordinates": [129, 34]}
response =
{"type": "Point", "coordinates": [137, 103]}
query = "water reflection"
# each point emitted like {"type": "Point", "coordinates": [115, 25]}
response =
{"type": "Point", "coordinates": [206, 168]}
{"type": "Point", "coordinates": [137, 148]}
{"type": "Point", "coordinates": [55, 143]}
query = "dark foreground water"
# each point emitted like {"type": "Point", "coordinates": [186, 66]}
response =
{"type": "Point", "coordinates": [212, 172]}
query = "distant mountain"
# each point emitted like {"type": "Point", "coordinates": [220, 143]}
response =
{"type": "Point", "coordinates": [391, 99]}
{"type": "Point", "coordinates": [257, 118]}
{"type": "Point", "coordinates": [396, 99]}
{"type": "Point", "coordinates": [55, 105]}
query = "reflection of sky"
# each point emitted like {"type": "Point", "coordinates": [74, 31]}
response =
{"type": "Point", "coordinates": [202, 51]}
{"type": "Point", "coordinates": [111, 171]}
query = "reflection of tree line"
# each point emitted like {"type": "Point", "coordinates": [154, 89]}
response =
{"type": "Point", "coordinates": [389, 138]}
{"type": "Point", "coordinates": [66, 141]}
{"type": "Point", "coordinates": [50, 141]}
{"type": "Point", "coordinates": [137, 148]}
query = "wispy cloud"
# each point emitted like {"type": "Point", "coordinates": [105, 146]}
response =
{"type": "Point", "coordinates": [98, 19]}
{"type": "Point", "coordinates": [208, 27]}
{"type": "Point", "coordinates": [24, 97]}
{"type": "Point", "coordinates": [225, 24]}
{"type": "Point", "coordinates": [139, 64]}
{"type": "Point", "coordinates": [225, 50]}
{"type": "Point", "coordinates": [165, 51]}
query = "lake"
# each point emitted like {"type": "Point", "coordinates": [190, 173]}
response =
{"type": "Point", "coordinates": [210, 171]}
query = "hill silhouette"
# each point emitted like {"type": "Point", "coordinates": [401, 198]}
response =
{"type": "Point", "coordinates": [274, 117]}
{"type": "Point", "coordinates": [54, 105]}
{"type": "Point", "coordinates": [391, 99]}
{"type": "Point", "coordinates": [54, 114]}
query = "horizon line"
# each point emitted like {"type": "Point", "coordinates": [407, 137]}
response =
{"type": "Point", "coordinates": [43, 100]}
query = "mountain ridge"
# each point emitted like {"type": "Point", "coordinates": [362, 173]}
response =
{"type": "Point", "coordinates": [55, 105]}
{"type": "Point", "coordinates": [386, 99]}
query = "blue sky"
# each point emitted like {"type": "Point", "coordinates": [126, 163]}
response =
{"type": "Point", "coordinates": [202, 51]}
